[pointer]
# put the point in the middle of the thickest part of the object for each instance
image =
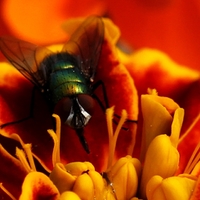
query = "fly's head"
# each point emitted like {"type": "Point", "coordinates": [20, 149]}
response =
{"type": "Point", "coordinates": [75, 111]}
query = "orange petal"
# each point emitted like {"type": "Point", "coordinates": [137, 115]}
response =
{"type": "Point", "coordinates": [171, 26]}
{"type": "Point", "coordinates": [32, 22]}
{"type": "Point", "coordinates": [151, 68]}
{"type": "Point", "coordinates": [12, 172]}
{"type": "Point", "coordinates": [37, 185]}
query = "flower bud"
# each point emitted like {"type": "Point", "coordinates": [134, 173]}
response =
{"type": "Point", "coordinates": [124, 177]}
{"type": "Point", "coordinates": [84, 187]}
{"type": "Point", "coordinates": [173, 188]}
{"type": "Point", "coordinates": [89, 185]}
{"type": "Point", "coordinates": [156, 118]}
{"type": "Point", "coordinates": [61, 178]}
{"type": "Point", "coordinates": [69, 195]}
{"type": "Point", "coordinates": [162, 159]}
{"type": "Point", "coordinates": [98, 184]}
{"type": "Point", "coordinates": [77, 168]}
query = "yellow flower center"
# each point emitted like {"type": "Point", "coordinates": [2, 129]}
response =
{"type": "Point", "coordinates": [79, 180]}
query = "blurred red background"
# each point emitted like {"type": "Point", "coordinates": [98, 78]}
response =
{"type": "Point", "coordinates": [172, 26]}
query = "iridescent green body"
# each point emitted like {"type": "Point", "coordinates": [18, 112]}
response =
{"type": "Point", "coordinates": [66, 80]}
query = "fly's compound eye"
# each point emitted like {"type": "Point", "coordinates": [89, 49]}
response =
{"type": "Point", "coordinates": [63, 108]}
{"type": "Point", "coordinates": [87, 102]}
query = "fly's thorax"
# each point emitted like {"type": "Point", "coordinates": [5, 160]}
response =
{"type": "Point", "coordinates": [67, 81]}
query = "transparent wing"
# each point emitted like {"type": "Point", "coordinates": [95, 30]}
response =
{"type": "Point", "coordinates": [26, 58]}
{"type": "Point", "coordinates": [85, 44]}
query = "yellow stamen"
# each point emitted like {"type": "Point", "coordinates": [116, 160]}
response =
{"type": "Point", "coordinates": [113, 137]}
{"type": "Point", "coordinates": [152, 91]}
{"type": "Point", "coordinates": [21, 156]}
{"type": "Point", "coordinates": [109, 118]}
{"type": "Point", "coordinates": [120, 124]}
{"type": "Point", "coordinates": [55, 156]}
{"type": "Point", "coordinates": [194, 159]}
{"type": "Point", "coordinates": [176, 126]}
{"type": "Point", "coordinates": [27, 149]}
{"type": "Point", "coordinates": [190, 128]}
{"type": "Point", "coordinates": [196, 170]}
{"type": "Point", "coordinates": [58, 127]}
{"type": "Point", "coordinates": [56, 139]}
{"type": "Point", "coordinates": [7, 192]}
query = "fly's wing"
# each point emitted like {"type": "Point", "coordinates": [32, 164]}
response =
{"type": "Point", "coordinates": [26, 58]}
{"type": "Point", "coordinates": [85, 44]}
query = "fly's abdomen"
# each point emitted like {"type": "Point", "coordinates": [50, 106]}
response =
{"type": "Point", "coordinates": [67, 81]}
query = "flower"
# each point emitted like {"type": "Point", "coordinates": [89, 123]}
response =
{"type": "Point", "coordinates": [121, 68]}
{"type": "Point", "coordinates": [120, 181]}
{"type": "Point", "coordinates": [76, 179]}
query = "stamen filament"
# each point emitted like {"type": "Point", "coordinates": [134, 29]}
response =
{"type": "Point", "coordinates": [58, 134]}
{"type": "Point", "coordinates": [119, 127]}
{"type": "Point", "coordinates": [120, 124]}
{"type": "Point", "coordinates": [194, 159]}
{"type": "Point", "coordinates": [58, 127]}
{"type": "Point", "coordinates": [176, 126]}
{"type": "Point", "coordinates": [21, 156]}
{"type": "Point", "coordinates": [7, 192]}
{"type": "Point", "coordinates": [55, 156]}
{"type": "Point", "coordinates": [113, 137]}
{"type": "Point", "coordinates": [27, 149]}
{"type": "Point", "coordinates": [56, 139]}
{"type": "Point", "coordinates": [28, 152]}
{"type": "Point", "coordinates": [109, 118]}
{"type": "Point", "coordinates": [190, 128]}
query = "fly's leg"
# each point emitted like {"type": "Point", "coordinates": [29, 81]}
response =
{"type": "Point", "coordinates": [127, 122]}
{"type": "Point", "coordinates": [26, 118]}
{"type": "Point", "coordinates": [104, 107]}
{"type": "Point", "coordinates": [95, 86]}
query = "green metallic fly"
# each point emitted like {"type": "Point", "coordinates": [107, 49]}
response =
{"type": "Point", "coordinates": [64, 78]}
